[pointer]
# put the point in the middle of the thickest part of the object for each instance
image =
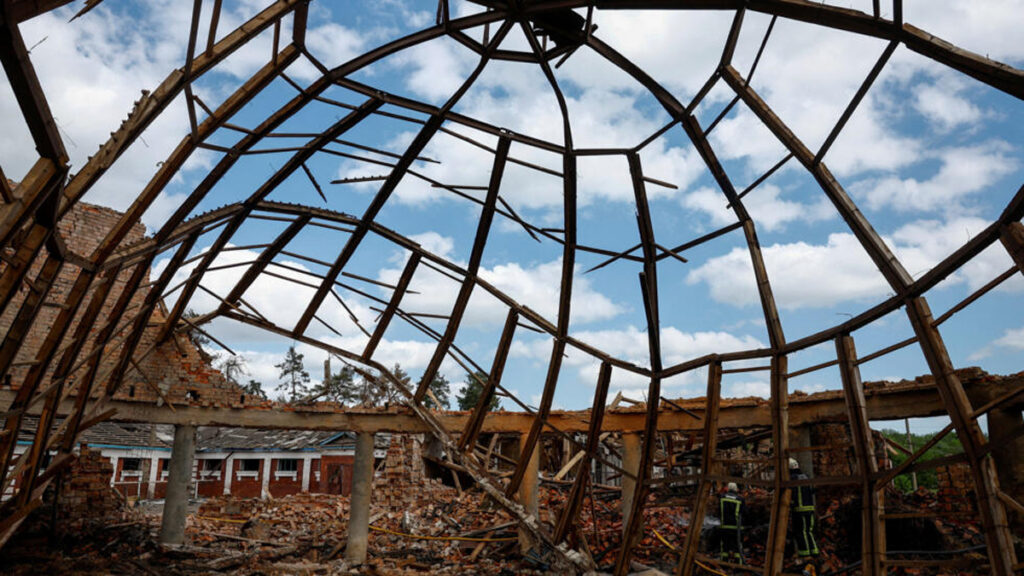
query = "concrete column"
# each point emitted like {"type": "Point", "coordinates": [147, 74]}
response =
{"type": "Point", "coordinates": [305, 469]}
{"type": "Point", "coordinates": [1008, 457]}
{"type": "Point", "coordinates": [228, 471]}
{"type": "Point", "coordinates": [528, 495]}
{"type": "Point", "coordinates": [154, 477]}
{"type": "Point", "coordinates": [631, 448]}
{"type": "Point", "coordinates": [113, 462]}
{"type": "Point", "coordinates": [359, 511]}
{"type": "Point", "coordinates": [172, 528]}
{"type": "Point", "coordinates": [265, 486]}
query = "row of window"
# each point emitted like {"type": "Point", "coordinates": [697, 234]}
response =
{"type": "Point", "coordinates": [245, 465]}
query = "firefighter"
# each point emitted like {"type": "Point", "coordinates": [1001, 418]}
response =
{"type": "Point", "coordinates": [730, 512]}
{"type": "Point", "coordinates": [803, 513]}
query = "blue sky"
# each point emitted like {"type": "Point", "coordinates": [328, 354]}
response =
{"type": "Point", "coordinates": [931, 157]}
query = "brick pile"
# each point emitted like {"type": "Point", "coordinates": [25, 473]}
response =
{"type": "Point", "coordinates": [86, 500]}
{"type": "Point", "coordinates": [403, 483]}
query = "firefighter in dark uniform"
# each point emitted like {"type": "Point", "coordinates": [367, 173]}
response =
{"type": "Point", "coordinates": [803, 514]}
{"type": "Point", "coordinates": [730, 512]}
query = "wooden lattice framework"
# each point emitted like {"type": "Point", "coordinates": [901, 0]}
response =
{"type": "Point", "coordinates": [32, 210]}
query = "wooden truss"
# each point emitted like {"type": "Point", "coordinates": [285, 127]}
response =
{"type": "Point", "coordinates": [31, 211]}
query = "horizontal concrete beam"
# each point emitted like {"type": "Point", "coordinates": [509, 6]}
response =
{"type": "Point", "coordinates": [883, 403]}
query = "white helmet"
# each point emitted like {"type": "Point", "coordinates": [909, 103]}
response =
{"type": "Point", "coordinates": [731, 487]}
{"type": "Point", "coordinates": [793, 464]}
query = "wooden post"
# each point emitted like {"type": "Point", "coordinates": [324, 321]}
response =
{"type": "Point", "coordinates": [780, 458]}
{"type": "Point", "coordinates": [873, 528]}
{"type": "Point", "coordinates": [700, 504]}
{"type": "Point", "coordinates": [1001, 554]}
{"type": "Point", "coordinates": [631, 448]}
{"type": "Point", "coordinates": [528, 495]}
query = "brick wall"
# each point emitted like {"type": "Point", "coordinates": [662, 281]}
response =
{"type": "Point", "coordinates": [403, 484]}
{"type": "Point", "coordinates": [86, 498]}
{"type": "Point", "coordinates": [956, 488]}
{"type": "Point", "coordinates": [177, 369]}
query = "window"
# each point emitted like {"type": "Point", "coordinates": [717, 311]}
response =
{"type": "Point", "coordinates": [287, 468]}
{"type": "Point", "coordinates": [131, 467]}
{"type": "Point", "coordinates": [210, 468]}
{"type": "Point", "coordinates": [165, 467]}
{"type": "Point", "coordinates": [248, 468]}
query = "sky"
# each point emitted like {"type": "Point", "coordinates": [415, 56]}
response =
{"type": "Point", "coordinates": [929, 156]}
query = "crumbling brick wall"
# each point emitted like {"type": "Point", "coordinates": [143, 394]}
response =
{"type": "Point", "coordinates": [176, 368]}
{"type": "Point", "coordinates": [403, 483]}
{"type": "Point", "coordinates": [956, 488]}
{"type": "Point", "coordinates": [86, 499]}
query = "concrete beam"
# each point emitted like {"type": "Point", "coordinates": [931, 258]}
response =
{"type": "Point", "coordinates": [891, 402]}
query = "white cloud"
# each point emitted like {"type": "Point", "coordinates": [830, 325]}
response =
{"type": "Point", "coordinates": [805, 275]}
{"type": "Point", "coordinates": [1012, 339]}
{"type": "Point", "coordinates": [944, 106]}
{"type": "Point", "coordinates": [630, 344]}
{"type": "Point", "coordinates": [766, 206]}
{"type": "Point", "coordinates": [535, 286]}
{"type": "Point", "coordinates": [965, 171]}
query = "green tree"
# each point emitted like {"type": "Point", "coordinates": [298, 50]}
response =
{"type": "Point", "coordinates": [442, 390]}
{"type": "Point", "coordinates": [469, 396]}
{"type": "Point", "coordinates": [948, 446]}
{"type": "Point", "coordinates": [340, 387]}
{"type": "Point", "coordinates": [254, 388]}
{"type": "Point", "coordinates": [295, 379]}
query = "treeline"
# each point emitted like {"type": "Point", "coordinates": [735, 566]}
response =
{"type": "Point", "coordinates": [350, 388]}
{"type": "Point", "coordinates": [948, 446]}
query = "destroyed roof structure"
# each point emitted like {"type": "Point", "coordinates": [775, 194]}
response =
{"type": "Point", "coordinates": [103, 329]}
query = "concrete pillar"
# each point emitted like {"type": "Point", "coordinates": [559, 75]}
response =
{"type": "Point", "coordinates": [631, 448]}
{"type": "Point", "coordinates": [172, 528]}
{"type": "Point", "coordinates": [528, 495]}
{"type": "Point", "coordinates": [359, 510]}
{"type": "Point", "coordinates": [113, 462]}
{"type": "Point", "coordinates": [265, 486]}
{"type": "Point", "coordinates": [305, 472]}
{"type": "Point", "coordinates": [228, 470]}
{"type": "Point", "coordinates": [154, 477]}
{"type": "Point", "coordinates": [1008, 457]}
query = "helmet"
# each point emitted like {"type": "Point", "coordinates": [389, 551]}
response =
{"type": "Point", "coordinates": [793, 464]}
{"type": "Point", "coordinates": [731, 487]}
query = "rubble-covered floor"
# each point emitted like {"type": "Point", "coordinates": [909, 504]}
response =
{"type": "Point", "coordinates": [454, 534]}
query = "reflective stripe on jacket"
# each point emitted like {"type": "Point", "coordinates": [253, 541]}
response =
{"type": "Point", "coordinates": [729, 507]}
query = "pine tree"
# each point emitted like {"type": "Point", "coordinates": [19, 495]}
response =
{"type": "Point", "coordinates": [469, 396]}
{"type": "Point", "coordinates": [340, 387]}
{"type": "Point", "coordinates": [442, 391]}
{"type": "Point", "coordinates": [254, 388]}
{"type": "Point", "coordinates": [295, 379]}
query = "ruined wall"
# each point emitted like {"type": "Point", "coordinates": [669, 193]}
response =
{"type": "Point", "coordinates": [177, 369]}
{"type": "Point", "coordinates": [403, 484]}
{"type": "Point", "coordinates": [86, 499]}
